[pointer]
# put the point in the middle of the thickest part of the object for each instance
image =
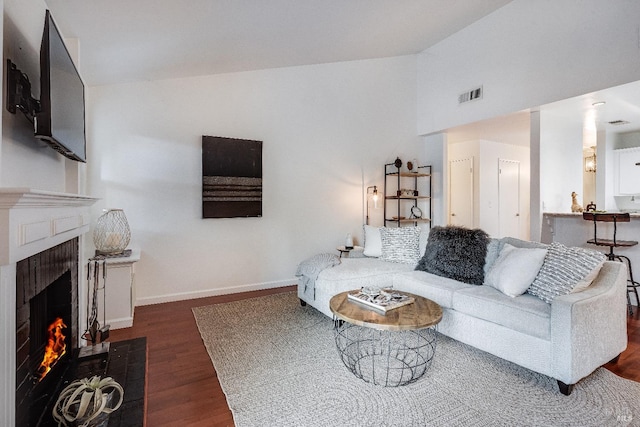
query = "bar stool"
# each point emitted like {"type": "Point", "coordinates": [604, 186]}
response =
{"type": "Point", "coordinates": [615, 218]}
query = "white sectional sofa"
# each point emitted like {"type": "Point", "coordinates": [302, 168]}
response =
{"type": "Point", "coordinates": [566, 339]}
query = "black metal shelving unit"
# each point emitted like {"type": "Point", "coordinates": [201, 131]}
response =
{"type": "Point", "coordinates": [396, 200]}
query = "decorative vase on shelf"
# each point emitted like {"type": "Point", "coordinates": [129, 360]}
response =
{"type": "Point", "coordinates": [410, 166]}
{"type": "Point", "coordinates": [348, 242]}
{"type": "Point", "coordinates": [111, 235]}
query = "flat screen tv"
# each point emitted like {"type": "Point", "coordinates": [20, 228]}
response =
{"type": "Point", "coordinates": [60, 121]}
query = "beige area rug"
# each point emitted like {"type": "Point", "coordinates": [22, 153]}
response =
{"type": "Point", "coordinates": [278, 366]}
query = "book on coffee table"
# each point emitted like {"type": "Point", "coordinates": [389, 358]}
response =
{"type": "Point", "coordinates": [383, 301]}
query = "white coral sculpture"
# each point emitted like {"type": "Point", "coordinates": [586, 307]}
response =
{"type": "Point", "coordinates": [84, 400]}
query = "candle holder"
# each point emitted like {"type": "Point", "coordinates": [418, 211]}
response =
{"type": "Point", "coordinates": [111, 235]}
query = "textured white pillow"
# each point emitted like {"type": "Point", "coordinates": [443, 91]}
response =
{"type": "Point", "coordinates": [515, 269]}
{"type": "Point", "coordinates": [372, 241]}
{"type": "Point", "coordinates": [400, 244]}
{"type": "Point", "coordinates": [565, 269]}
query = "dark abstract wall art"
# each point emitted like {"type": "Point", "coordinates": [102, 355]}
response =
{"type": "Point", "coordinates": [231, 177]}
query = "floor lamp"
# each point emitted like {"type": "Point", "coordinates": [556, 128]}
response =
{"type": "Point", "coordinates": [374, 196]}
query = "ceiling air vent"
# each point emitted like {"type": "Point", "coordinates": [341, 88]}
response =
{"type": "Point", "coordinates": [618, 122]}
{"type": "Point", "coordinates": [470, 95]}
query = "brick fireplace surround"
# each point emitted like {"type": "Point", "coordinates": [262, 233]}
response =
{"type": "Point", "coordinates": [31, 222]}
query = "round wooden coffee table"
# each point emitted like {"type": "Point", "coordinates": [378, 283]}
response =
{"type": "Point", "coordinates": [391, 349]}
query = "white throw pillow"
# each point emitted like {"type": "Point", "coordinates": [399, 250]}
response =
{"type": "Point", "coordinates": [372, 241]}
{"type": "Point", "coordinates": [515, 269]}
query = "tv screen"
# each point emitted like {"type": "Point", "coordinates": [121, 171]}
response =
{"type": "Point", "coordinates": [60, 121]}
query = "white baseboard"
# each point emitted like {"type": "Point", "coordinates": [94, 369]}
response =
{"type": "Point", "coordinates": [123, 322]}
{"type": "Point", "coordinates": [181, 296]}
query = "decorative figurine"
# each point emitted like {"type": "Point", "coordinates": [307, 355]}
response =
{"type": "Point", "coordinates": [591, 207]}
{"type": "Point", "coordinates": [575, 206]}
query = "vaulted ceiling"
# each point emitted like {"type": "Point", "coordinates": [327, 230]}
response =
{"type": "Point", "coordinates": [144, 40]}
{"type": "Point", "coordinates": [123, 40]}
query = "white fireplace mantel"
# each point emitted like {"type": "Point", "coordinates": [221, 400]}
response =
{"type": "Point", "coordinates": [31, 221]}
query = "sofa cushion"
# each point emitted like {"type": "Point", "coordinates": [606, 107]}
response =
{"type": "Point", "coordinates": [436, 288]}
{"type": "Point", "coordinates": [564, 269]}
{"type": "Point", "coordinates": [519, 243]}
{"type": "Point", "coordinates": [354, 273]}
{"type": "Point", "coordinates": [515, 269]}
{"type": "Point", "coordinates": [400, 244]}
{"type": "Point", "coordinates": [457, 253]}
{"type": "Point", "coordinates": [526, 313]}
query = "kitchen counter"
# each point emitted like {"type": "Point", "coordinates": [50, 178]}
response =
{"type": "Point", "coordinates": [579, 214]}
{"type": "Point", "coordinates": [570, 229]}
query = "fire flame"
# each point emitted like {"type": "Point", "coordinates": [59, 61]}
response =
{"type": "Point", "coordinates": [55, 349]}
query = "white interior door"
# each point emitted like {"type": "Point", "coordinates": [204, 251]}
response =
{"type": "Point", "coordinates": [509, 198]}
{"type": "Point", "coordinates": [461, 192]}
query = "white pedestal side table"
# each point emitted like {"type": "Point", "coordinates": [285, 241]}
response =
{"type": "Point", "coordinates": [120, 290]}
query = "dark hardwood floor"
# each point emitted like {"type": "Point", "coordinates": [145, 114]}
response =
{"type": "Point", "coordinates": [182, 386]}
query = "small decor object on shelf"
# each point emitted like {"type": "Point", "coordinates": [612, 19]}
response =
{"type": "Point", "coordinates": [88, 402]}
{"type": "Point", "coordinates": [111, 234]}
{"type": "Point", "coordinates": [348, 242]}
{"type": "Point", "coordinates": [591, 207]}
{"type": "Point", "coordinates": [575, 206]}
{"type": "Point", "coordinates": [416, 212]}
{"type": "Point", "coordinates": [383, 300]}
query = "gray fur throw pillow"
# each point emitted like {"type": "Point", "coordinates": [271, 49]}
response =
{"type": "Point", "coordinates": [457, 253]}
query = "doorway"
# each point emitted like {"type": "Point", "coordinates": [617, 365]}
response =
{"type": "Point", "coordinates": [461, 192]}
{"type": "Point", "coordinates": [508, 198]}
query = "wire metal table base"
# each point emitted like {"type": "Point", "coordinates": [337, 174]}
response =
{"type": "Point", "coordinates": [386, 358]}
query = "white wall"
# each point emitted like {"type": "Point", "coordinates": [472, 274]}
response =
{"type": "Point", "coordinates": [436, 153]}
{"type": "Point", "coordinates": [526, 54]}
{"type": "Point", "coordinates": [24, 161]}
{"type": "Point", "coordinates": [561, 159]}
{"type": "Point", "coordinates": [327, 132]}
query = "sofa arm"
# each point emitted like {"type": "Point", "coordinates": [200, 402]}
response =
{"type": "Point", "coordinates": [589, 328]}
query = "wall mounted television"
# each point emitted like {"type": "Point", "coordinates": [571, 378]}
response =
{"type": "Point", "coordinates": [59, 116]}
{"type": "Point", "coordinates": [60, 121]}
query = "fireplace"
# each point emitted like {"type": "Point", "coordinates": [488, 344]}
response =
{"type": "Point", "coordinates": [31, 223]}
{"type": "Point", "coordinates": [46, 322]}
